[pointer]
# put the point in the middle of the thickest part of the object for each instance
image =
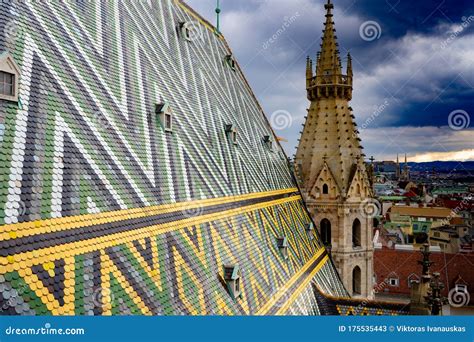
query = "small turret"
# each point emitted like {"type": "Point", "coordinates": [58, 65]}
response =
{"type": "Point", "coordinates": [309, 71]}
{"type": "Point", "coordinates": [349, 65]}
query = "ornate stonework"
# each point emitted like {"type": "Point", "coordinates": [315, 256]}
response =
{"type": "Point", "coordinates": [330, 166]}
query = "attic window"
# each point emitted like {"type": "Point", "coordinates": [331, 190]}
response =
{"type": "Point", "coordinates": [231, 133]}
{"type": "Point", "coordinates": [309, 227]}
{"type": "Point", "coordinates": [230, 61]}
{"type": "Point", "coordinates": [282, 243]}
{"type": "Point", "coordinates": [163, 111]}
{"type": "Point", "coordinates": [268, 141]}
{"type": "Point", "coordinates": [189, 30]}
{"type": "Point", "coordinates": [9, 77]}
{"type": "Point", "coordinates": [232, 277]}
{"type": "Point", "coordinates": [393, 282]}
{"type": "Point", "coordinates": [7, 84]}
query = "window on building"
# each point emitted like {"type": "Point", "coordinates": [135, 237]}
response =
{"type": "Point", "coordinates": [393, 281]}
{"type": "Point", "coordinates": [231, 133]}
{"type": "Point", "coordinates": [282, 243]}
{"type": "Point", "coordinates": [9, 77]}
{"type": "Point", "coordinates": [268, 141]}
{"type": "Point", "coordinates": [230, 61]}
{"type": "Point", "coordinates": [325, 189]}
{"type": "Point", "coordinates": [356, 281]}
{"type": "Point", "coordinates": [325, 226]}
{"type": "Point", "coordinates": [232, 275]}
{"type": "Point", "coordinates": [165, 114]}
{"type": "Point", "coordinates": [412, 278]}
{"type": "Point", "coordinates": [7, 84]}
{"type": "Point", "coordinates": [356, 233]}
{"type": "Point", "coordinates": [168, 121]}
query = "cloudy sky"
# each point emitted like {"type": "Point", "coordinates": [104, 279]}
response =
{"type": "Point", "coordinates": [413, 68]}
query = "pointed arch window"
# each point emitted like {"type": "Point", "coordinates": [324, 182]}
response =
{"type": "Point", "coordinates": [325, 189]}
{"type": "Point", "coordinates": [356, 281]}
{"type": "Point", "coordinates": [356, 233]}
{"type": "Point", "coordinates": [325, 226]}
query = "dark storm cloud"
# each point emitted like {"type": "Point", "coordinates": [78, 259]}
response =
{"type": "Point", "coordinates": [420, 63]}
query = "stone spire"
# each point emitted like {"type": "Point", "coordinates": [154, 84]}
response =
{"type": "Point", "coordinates": [329, 60]}
{"type": "Point", "coordinates": [330, 166]}
{"type": "Point", "coordinates": [330, 128]}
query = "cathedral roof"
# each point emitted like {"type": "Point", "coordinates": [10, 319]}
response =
{"type": "Point", "coordinates": [123, 192]}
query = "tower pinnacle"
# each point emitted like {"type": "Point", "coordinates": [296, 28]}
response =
{"type": "Point", "coordinates": [329, 78]}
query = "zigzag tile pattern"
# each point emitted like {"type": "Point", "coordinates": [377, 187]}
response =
{"type": "Point", "coordinates": [102, 211]}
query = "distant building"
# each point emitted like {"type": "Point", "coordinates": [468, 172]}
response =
{"type": "Point", "coordinates": [395, 270]}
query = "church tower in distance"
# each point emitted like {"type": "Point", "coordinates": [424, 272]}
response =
{"type": "Point", "coordinates": [329, 165]}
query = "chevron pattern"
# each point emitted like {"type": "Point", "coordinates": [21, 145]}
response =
{"type": "Point", "coordinates": [103, 212]}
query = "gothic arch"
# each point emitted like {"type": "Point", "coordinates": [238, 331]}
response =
{"type": "Point", "coordinates": [325, 227]}
{"type": "Point", "coordinates": [356, 233]}
{"type": "Point", "coordinates": [356, 281]}
{"type": "Point", "coordinates": [325, 189]}
{"type": "Point", "coordinates": [325, 185]}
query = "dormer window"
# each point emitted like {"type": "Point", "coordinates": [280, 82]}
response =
{"type": "Point", "coordinates": [309, 229]}
{"type": "Point", "coordinates": [7, 83]}
{"type": "Point", "coordinates": [232, 277]}
{"type": "Point", "coordinates": [282, 243]}
{"type": "Point", "coordinates": [231, 133]}
{"type": "Point", "coordinates": [268, 141]}
{"type": "Point", "coordinates": [189, 30]}
{"type": "Point", "coordinates": [164, 113]}
{"type": "Point", "coordinates": [230, 61]}
{"type": "Point", "coordinates": [9, 78]}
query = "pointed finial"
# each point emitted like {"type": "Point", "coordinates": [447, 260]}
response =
{"type": "Point", "coordinates": [349, 64]}
{"type": "Point", "coordinates": [329, 6]}
{"type": "Point", "coordinates": [218, 12]}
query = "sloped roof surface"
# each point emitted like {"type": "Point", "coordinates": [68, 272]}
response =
{"type": "Point", "coordinates": [426, 212]}
{"type": "Point", "coordinates": [102, 211]}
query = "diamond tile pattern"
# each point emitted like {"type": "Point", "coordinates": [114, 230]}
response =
{"type": "Point", "coordinates": [102, 211]}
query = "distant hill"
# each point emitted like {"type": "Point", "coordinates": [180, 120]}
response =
{"type": "Point", "coordinates": [440, 166]}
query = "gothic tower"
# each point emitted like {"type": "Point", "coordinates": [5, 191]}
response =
{"type": "Point", "coordinates": [406, 170]}
{"type": "Point", "coordinates": [329, 165]}
{"type": "Point", "coordinates": [397, 171]}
